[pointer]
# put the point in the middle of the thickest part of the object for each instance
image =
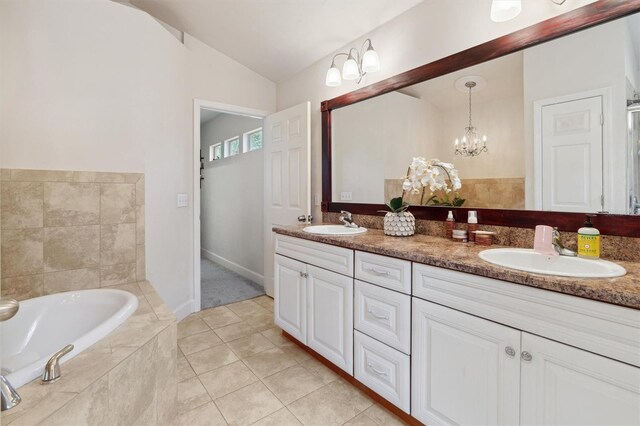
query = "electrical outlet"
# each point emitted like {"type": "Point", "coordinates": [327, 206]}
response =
{"type": "Point", "coordinates": [182, 200]}
{"type": "Point", "coordinates": [346, 196]}
{"type": "Point", "coordinates": [317, 200]}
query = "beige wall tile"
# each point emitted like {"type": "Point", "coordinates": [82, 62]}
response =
{"type": "Point", "coordinates": [70, 248]}
{"type": "Point", "coordinates": [184, 369]}
{"type": "Point", "coordinates": [99, 177]}
{"type": "Point", "coordinates": [132, 385]}
{"type": "Point", "coordinates": [71, 204]}
{"type": "Point", "coordinates": [133, 177]}
{"type": "Point", "coordinates": [140, 192]}
{"type": "Point", "coordinates": [141, 273]}
{"type": "Point", "coordinates": [22, 288]}
{"type": "Point", "coordinates": [118, 244]}
{"type": "Point", "coordinates": [91, 407]}
{"type": "Point", "coordinates": [5, 174]}
{"type": "Point", "coordinates": [117, 203]}
{"type": "Point", "coordinates": [21, 252]}
{"type": "Point", "coordinates": [21, 205]}
{"type": "Point", "coordinates": [140, 224]}
{"type": "Point", "coordinates": [41, 175]}
{"type": "Point", "coordinates": [123, 273]}
{"type": "Point", "coordinates": [79, 279]}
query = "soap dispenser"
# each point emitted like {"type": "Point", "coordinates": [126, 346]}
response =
{"type": "Point", "coordinates": [588, 240]}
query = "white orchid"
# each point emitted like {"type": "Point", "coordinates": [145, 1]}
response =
{"type": "Point", "coordinates": [432, 174]}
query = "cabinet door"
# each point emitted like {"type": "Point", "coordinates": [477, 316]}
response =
{"type": "Point", "coordinates": [465, 370]}
{"type": "Point", "coordinates": [290, 291]}
{"type": "Point", "coordinates": [563, 385]}
{"type": "Point", "coordinates": [330, 316]}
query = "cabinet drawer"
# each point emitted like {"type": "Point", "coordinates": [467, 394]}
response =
{"type": "Point", "coordinates": [336, 259]}
{"type": "Point", "coordinates": [384, 271]}
{"type": "Point", "coordinates": [383, 370]}
{"type": "Point", "coordinates": [383, 314]}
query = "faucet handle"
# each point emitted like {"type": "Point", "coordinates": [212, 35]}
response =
{"type": "Point", "coordinates": [8, 308]}
{"type": "Point", "coordinates": [52, 369]}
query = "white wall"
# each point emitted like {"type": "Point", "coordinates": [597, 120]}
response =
{"type": "Point", "coordinates": [589, 60]}
{"type": "Point", "coordinates": [232, 200]}
{"type": "Point", "coordinates": [95, 85]}
{"type": "Point", "coordinates": [429, 31]}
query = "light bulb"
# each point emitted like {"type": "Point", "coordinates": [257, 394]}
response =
{"type": "Point", "coordinates": [333, 77]}
{"type": "Point", "coordinates": [370, 61]}
{"type": "Point", "coordinates": [504, 10]}
{"type": "Point", "coordinates": [350, 69]}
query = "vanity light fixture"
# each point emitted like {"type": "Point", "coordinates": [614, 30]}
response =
{"type": "Point", "coordinates": [505, 10]}
{"type": "Point", "coordinates": [355, 67]}
{"type": "Point", "coordinates": [471, 144]}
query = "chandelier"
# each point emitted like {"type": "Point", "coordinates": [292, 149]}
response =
{"type": "Point", "coordinates": [471, 144]}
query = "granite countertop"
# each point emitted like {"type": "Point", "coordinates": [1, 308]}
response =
{"type": "Point", "coordinates": [440, 252]}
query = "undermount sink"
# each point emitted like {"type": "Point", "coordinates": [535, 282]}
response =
{"type": "Point", "coordinates": [564, 266]}
{"type": "Point", "coordinates": [333, 230]}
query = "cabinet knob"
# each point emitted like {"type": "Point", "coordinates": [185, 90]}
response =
{"type": "Point", "coordinates": [526, 356]}
{"type": "Point", "coordinates": [510, 351]}
{"type": "Point", "coordinates": [304, 274]}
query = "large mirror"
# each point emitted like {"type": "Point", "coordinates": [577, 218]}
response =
{"type": "Point", "coordinates": [561, 120]}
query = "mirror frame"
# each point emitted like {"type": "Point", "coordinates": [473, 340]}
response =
{"type": "Point", "coordinates": [593, 14]}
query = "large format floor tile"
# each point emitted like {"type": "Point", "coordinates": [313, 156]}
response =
{"type": "Point", "coordinates": [236, 368]}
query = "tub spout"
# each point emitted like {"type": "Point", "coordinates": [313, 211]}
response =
{"type": "Point", "coordinates": [52, 369]}
{"type": "Point", "coordinates": [10, 397]}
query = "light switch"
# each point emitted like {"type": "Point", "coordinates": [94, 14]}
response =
{"type": "Point", "coordinates": [346, 196]}
{"type": "Point", "coordinates": [183, 200]}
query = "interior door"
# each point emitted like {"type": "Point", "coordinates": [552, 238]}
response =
{"type": "Point", "coordinates": [563, 385]}
{"type": "Point", "coordinates": [572, 160]}
{"type": "Point", "coordinates": [287, 175]}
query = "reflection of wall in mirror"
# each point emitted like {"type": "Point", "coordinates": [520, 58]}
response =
{"type": "Point", "coordinates": [602, 57]}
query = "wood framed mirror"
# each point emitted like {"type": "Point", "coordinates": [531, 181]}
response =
{"type": "Point", "coordinates": [609, 221]}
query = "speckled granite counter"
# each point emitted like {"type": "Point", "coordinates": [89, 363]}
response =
{"type": "Point", "coordinates": [440, 252]}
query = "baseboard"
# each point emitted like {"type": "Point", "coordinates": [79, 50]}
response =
{"type": "Point", "coordinates": [184, 310]}
{"type": "Point", "coordinates": [238, 269]}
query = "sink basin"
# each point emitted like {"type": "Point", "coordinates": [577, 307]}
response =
{"type": "Point", "coordinates": [334, 230]}
{"type": "Point", "coordinates": [529, 261]}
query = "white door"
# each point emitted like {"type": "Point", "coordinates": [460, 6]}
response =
{"type": "Point", "coordinates": [465, 370]}
{"type": "Point", "coordinates": [290, 300]}
{"type": "Point", "coordinates": [330, 316]}
{"type": "Point", "coordinates": [563, 385]}
{"type": "Point", "coordinates": [572, 161]}
{"type": "Point", "coordinates": [287, 175]}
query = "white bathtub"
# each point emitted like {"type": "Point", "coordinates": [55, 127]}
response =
{"type": "Point", "coordinates": [46, 324]}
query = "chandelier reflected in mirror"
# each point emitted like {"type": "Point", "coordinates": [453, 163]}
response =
{"type": "Point", "coordinates": [471, 144]}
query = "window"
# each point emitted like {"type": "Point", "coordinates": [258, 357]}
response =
{"type": "Point", "coordinates": [215, 151]}
{"type": "Point", "coordinates": [252, 140]}
{"type": "Point", "coordinates": [232, 147]}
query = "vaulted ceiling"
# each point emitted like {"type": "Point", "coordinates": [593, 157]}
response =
{"type": "Point", "coordinates": [275, 38]}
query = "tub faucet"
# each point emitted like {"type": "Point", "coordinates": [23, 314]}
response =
{"type": "Point", "coordinates": [52, 369]}
{"type": "Point", "coordinates": [10, 398]}
{"type": "Point", "coordinates": [559, 247]}
{"type": "Point", "coordinates": [347, 219]}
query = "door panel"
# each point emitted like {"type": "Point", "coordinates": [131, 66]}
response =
{"type": "Point", "coordinates": [287, 175]}
{"type": "Point", "coordinates": [461, 371]}
{"type": "Point", "coordinates": [291, 297]}
{"type": "Point", "coordinates": [563, 385]}
{"type": "Point", "coordinates": [330, 316]}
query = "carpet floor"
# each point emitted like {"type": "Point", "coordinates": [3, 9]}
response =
{"type": "Point", "coordinates": [221, 286]}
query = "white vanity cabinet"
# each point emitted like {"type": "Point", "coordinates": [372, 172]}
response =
{"type": "Point", "coordinates": [290, 297]}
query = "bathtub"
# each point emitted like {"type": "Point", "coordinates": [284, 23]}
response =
{"type": "Point", "coordinates": [46, 324]}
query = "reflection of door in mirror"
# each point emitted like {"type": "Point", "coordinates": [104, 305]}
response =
{"type": "Point", "coordinates": [634, 156]}
{"type": "Point", "coordinates": [571, 165]}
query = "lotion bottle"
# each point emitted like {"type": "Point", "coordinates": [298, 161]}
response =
{"type": "Point", "coordinates": [588, 241]}
{"type": "Point", "coordinates": [472, 225]}
{"type": "Point", "coordinates": [449, 224]}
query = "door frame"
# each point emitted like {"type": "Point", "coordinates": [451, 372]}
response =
{"type": "Point", "coordinates": [225, 108]}
{"type": "Point", "coordinates": [606, 94]}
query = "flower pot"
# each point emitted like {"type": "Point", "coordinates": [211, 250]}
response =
{"type": "Point", "coordinates": [399, 224]}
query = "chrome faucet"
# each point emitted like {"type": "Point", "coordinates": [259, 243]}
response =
{"type": "Point", "coordinates": [347, 219]}
{"type": "Point", "coordinates": [10, 398]}
{"type": "Point", "coordinates": [559, 247]}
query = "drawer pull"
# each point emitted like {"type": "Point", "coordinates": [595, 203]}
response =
{"type": "Point", "coordinates": [378, 372]}
{"type": "Point", "coordinates": [304, 275]}
{"type": "Point", "coordinates": [377, 272]}
{"type": "Point", "coordinates": [382, 317]}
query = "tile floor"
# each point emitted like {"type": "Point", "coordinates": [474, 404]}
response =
{"type": "Point", "coordinates": [234, 367]}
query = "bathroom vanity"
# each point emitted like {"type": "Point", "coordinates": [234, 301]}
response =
{"type": "Point", "coordinates": [447, 338]}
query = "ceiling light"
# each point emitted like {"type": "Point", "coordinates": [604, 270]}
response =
{"type": "Point", "coordinates": [471, 144]}
{"type": "Point", "coordinates": [355, 67]}
{"type": "Point", "coordinates": [504, 10]}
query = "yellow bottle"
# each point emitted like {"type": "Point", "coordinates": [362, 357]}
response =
{"type": "Point", "coordinates": [588, 241]}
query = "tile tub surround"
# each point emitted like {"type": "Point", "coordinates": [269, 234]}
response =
{"type": "Point", "coordinates": [69, 230]}
{"type": "Point", "coordinates": [129, 377]}
{"type": "Point", "coordinates": [254, 375]}
{"type": "Point", "coordinates": [440, 252]}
